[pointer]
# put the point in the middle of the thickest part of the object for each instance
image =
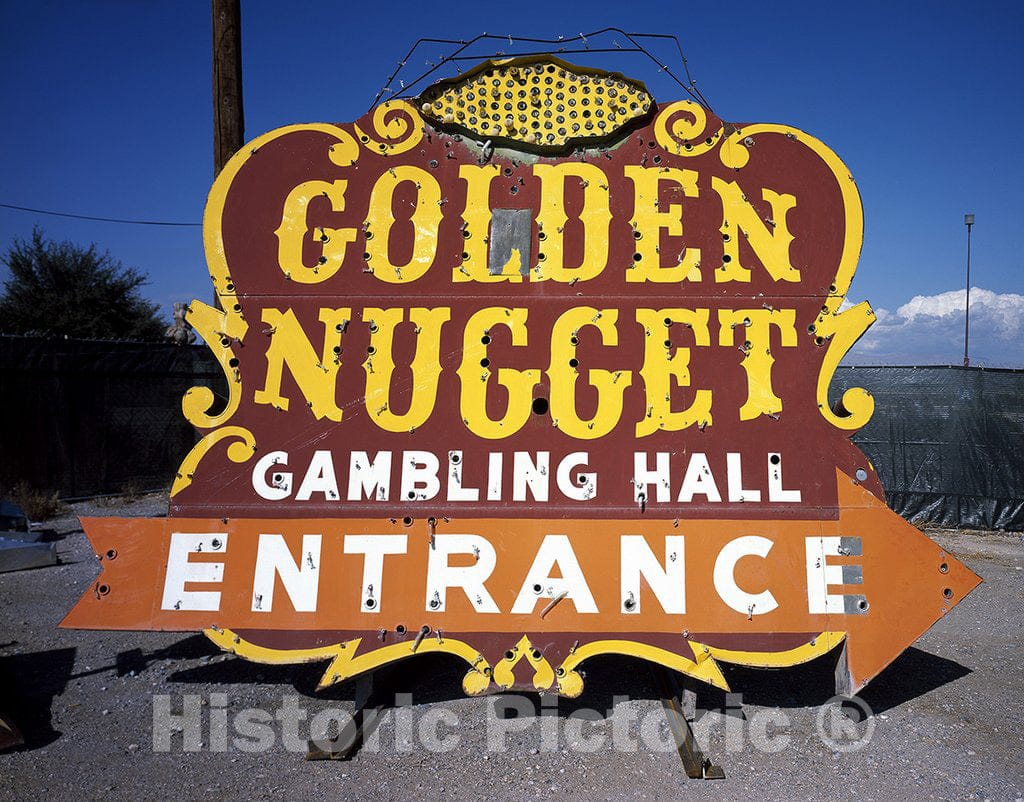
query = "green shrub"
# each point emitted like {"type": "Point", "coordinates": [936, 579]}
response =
{"type": "Point", "coordinates": [39, 505]}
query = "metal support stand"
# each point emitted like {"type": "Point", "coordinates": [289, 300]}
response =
{"type": "Point", "coordinates": [365, 719]}
{"type": "Point", "coordinates": [696, 765]}
{"type": "Point", "coordinates": [678, 701]}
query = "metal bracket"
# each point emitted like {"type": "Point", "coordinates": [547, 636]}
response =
{"type": "Point", "coordinates": [365, 719]}
{"type": "Point", "coordinates": [695, 763]}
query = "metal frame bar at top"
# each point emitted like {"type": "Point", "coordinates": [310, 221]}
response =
{"type": "Point", "coordinates": [457, 55]}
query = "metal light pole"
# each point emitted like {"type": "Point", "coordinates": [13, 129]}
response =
{"type": "Point", "coordinates": [968, 221]}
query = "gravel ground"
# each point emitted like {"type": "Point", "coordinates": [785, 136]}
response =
{"type": "Point", "coordinates": [946, 723]}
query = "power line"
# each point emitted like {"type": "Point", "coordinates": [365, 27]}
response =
{"type": "Point", "coordinates": [454, 57]}
{"type": "Point", "coordinates": [100, 219]}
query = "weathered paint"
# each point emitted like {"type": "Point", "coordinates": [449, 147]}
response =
{"type": "Point", "coordinates": [697, 589]}
{"type": "Point", "coordinates": [526, 406]}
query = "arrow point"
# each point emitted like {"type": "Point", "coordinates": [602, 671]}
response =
{"type": "Point", "coordinates": [915, 582]}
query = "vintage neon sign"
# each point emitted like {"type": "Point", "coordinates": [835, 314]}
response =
{"type": "Point", "coordinates": [530, 370]}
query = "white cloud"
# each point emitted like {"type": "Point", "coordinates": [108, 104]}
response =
{"type": "Point", "coordinates": [929, 329]}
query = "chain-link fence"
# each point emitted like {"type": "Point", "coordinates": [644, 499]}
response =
{"type": "Point", "coordinates": [88, 417]}
{"type": "Point", "coordinates": [948, 442]}
{"type": "Point", "coordinates": [85, 417]}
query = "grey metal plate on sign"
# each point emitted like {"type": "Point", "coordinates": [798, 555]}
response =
{"type": "Point", "coordinates": [511, 230]}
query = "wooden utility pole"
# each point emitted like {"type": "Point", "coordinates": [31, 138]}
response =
{"type": "Point", "coordinates": [228, 121]}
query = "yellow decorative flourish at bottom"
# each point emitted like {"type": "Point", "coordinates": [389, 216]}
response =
{"type": "Point", "coordinates": [570, 681]}
{"type": "Point", "coordinates": [822, 644]}
{"type": "Point", "coordinates": [543, 674]}
{"type": "Point", "coordinates": [346, 663]}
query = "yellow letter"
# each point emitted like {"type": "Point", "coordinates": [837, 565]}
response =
{"type": "Point", "coordinates": [648, 221]}
{"type": "Point", "coordinates": [661, 366]}
{"type": "Point", "coordinates": [758, 359]}
{"type": "Point", "coordinates": [739, 218]}
{"type": "Point", "coordinates": [475, 371]}
{"type": "Point", "coordinates": [315, 376]}
{"type": "Point", "coordinates": [293, 229]}
{"type": "Point", "coordinates": [425, 217]}
{"type": "Point", "coordinates": [475, 265]}
{"type": "Point", "coordinates": [551, 219]}
{"type": "Point", "coordinates": [425, 366]}
{"type": "Point", "coordinates": [562, 374]}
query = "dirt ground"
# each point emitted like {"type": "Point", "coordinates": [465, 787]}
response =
{"type": "Point", "coordinates": [94, 708]}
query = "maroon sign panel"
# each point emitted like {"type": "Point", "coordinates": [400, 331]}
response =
{"type": "Point", "coordinates": [531, 369]}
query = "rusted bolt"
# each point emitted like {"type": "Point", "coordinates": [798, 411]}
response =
{"type": "Point", "coordinates": [424, 631]}
{"type": "Point", "coordinates": [552, 603]}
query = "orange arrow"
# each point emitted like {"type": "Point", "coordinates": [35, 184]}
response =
{"type": "Point", "coordinates": [910, 581]}
{"type": "Point", "coordinates": [866, 579]}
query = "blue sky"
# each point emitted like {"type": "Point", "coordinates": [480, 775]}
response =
{"type": "Point", "coordinates": [108, 113]}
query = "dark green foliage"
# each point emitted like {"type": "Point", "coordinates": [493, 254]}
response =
{"type": "Point", "coordinates": [59, 289]}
